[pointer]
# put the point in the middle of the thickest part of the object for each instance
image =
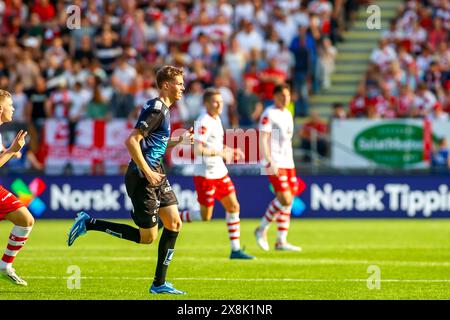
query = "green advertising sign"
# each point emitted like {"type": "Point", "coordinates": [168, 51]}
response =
{"type": "Point", "coordinates": [394, 145]}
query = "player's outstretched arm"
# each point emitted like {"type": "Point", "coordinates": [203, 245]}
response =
{"type": "Point", "coordinates": [16, 146]}
{"type": "Point", "coordinates": [186, 138]}
{"type": "Point", "coordinates": [230, 155]}
{"type": "Point", "coordinates": [201, 150]}
{"type": "Point", "coordinates": [134, 149]}
{"type": "Point", "coordinates": [17, 155]}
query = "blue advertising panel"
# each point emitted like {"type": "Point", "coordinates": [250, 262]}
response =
{"type": "Point", "coordinates": [324, 197]}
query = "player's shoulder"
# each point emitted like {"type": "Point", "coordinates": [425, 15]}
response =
{"type": "Point", "coordinates": [268, 111]}
{"type": "Point", "coordinates": [154, 106]}
{"type": "Point", "coordinates": [204, 119]}
{"type": "Point", "coordinates": [266, 116]}
{"type": "Point", "coordinates": [201, 116]}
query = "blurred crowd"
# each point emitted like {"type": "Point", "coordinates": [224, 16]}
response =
{"type": "Point", "coordinates": [101, 63]}
{"type": "Point", "coordinates": [409, 72]}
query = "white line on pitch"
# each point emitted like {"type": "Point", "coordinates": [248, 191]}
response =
{"type": "Point", "coordinates": [207, 249]}
{"type": "Point", "coordinates": [249, 280]}
{"type": "Point", "coordinates": [286, 260]}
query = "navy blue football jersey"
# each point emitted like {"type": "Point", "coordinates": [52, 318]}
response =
{"type": "Point", "coordinates": [154, 124]}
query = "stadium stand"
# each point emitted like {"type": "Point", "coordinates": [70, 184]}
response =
{"type": "Point", "coordinates": [101, 70]}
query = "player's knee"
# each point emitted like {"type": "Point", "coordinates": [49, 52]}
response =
{"type": "Point", "coordinates": [26, 223]}
{"type": "Point", "coordinates": [29, 221]}
{"type": "Point", "coordinates": [175, 225]}
{"type": "Point", "coordinates": [286, 201]}
{"type": "Point", "coordinates": [26, 219]}
{"type": "Point", "coordinates": [147, 239]}
{"type": "Point", "coordinates": [178, 225]}
{"type": "Point", "coordinates": [235, 207]}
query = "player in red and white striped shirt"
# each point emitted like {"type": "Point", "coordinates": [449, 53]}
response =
{"type": "Point", "coordinates": [211, 175]}
{"type": "Point", "coordinates": [276, 130]}
{"type": "Point", "coordinates": [10, 207]}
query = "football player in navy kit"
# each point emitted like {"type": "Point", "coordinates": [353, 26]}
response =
{"type": "Point", "coordinates": [146, 182]}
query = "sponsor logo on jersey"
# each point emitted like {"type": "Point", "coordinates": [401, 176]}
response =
{"type": "Point", "coordinates": [158, 105]}
{"type": "Point", "coordinates": [202, 130]}
{"type": "Point", "coordinates": [7, 196]}
{"type": "Point", "coordinates": [143, 126]}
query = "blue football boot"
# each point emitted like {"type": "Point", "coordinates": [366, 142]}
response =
{"type": "Point", "coordinates": [78, 227]}
{"type": "Point", "coordinates": [166, 287]}
{"type": "Point", "coordinates": [240, 254]}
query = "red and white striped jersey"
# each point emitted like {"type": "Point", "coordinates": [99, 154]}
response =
{"type": "Point", "coordinates": [209, 132]}
{"type": "Point", "coordinates": [280, 124]}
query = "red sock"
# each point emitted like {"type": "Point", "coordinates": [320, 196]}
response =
{"type": "Point", "coordinates": [17, 239]}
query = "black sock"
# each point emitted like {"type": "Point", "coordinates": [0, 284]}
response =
{"type": "Point", "coordinates": [160, 224]}
{"type": "Point", "coordinates": [165, 254]}
{"type": "Point", "coordinates": [115, 229]}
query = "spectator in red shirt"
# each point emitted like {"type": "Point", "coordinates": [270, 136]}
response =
{"type": "Point", "coordinates": [180, 32]}
{"type": "Point", "coordinates": [44, 9]}
{"type": "Point", "coordinates": [12, 17]}
{"type": "Point", "coordinates": [251, 75]}
{"type": "Point", "coordinates": [313, 133]}
{"type": "Point", "coordinates": [387, 104]}
{"type": "Point", "coordinates": [372, 111]}
{"type": "Point", "coordinates": [358, 105]}
{"type": "Point", "coordinates": [135, 32]}
{"type": "Point", "coordinates": [444, 97]}
{"type": "Point", "coordinates": [425, 18]}
{"type": "Point", "coordinates": [270, 77]}
{"type": "Point", "coordinates": [60, 101]}
{"type": "Point", "coordinates": [405, 101]}
{"type": "Point", "coordinates": [437, 35]}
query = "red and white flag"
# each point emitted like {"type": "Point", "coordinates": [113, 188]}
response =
{"type": "Point", "coordinates": [100, 144]}
{"type": "Point", "coordinates": [56, 144]}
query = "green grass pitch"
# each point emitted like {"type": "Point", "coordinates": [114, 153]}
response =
{"type": "Point", "coordinates": [413, 257]}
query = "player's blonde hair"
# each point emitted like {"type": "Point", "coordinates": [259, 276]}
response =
{"type": "Point", "coordinates": [4, 95]}
{"type": "Point", "coordinates": [167, 73]}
